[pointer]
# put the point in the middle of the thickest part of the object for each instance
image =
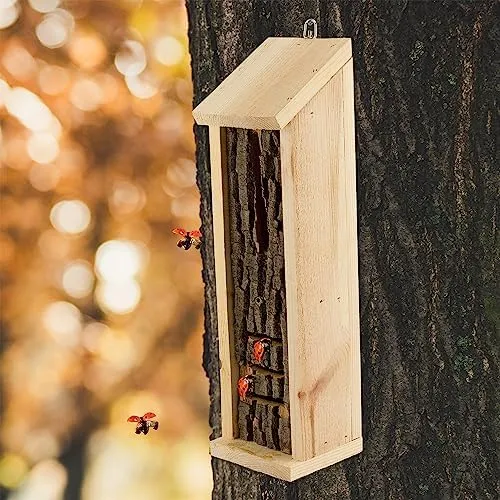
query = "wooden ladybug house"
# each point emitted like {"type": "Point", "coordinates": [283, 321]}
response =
{"type": "Point", "coordinates": [281, 130]}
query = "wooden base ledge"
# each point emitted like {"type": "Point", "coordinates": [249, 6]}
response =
{"type": "Point", "coordinates": [275, 463]}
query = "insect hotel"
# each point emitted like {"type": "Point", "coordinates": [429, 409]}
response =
{"type": "Point", "coordinates": [283, 171]}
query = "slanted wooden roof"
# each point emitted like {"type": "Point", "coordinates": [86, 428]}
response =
{"type": "Point", "coordinates": [274, 83]}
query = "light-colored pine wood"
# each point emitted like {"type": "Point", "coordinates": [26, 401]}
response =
{"type": "Point", "coordinates": [274, 83]}
{"type": "Point", "coordinates": [275, 463]}
{"type": "Point", "coordinates": [318, 174]}
{"type": "Point", "coordinates": [228, 365]}
{"type": "Point", "coordinates": [319, 213]}
{"type": "Point", "coordinates": [352, 242]}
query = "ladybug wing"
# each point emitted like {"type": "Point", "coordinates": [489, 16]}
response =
{"type": "Point", "coordinates": [258, 352]}
{"type": "Point", "coordinates": [148, 415]}
{"type": "Point", "coordinates": [134, 418]}
{"type": "Point", "coordinates": [179, 231]}
{"type": "Point", "coordinates": [195, 234]}
{"type": "Point", "coordinates": [242, 387]}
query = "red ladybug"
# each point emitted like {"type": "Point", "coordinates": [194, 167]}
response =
{"type": "Point", "coordinates": [189, 238]}
{"type": "Point", "coordinates": [245, 386]}
{"type": "Point", "coordinates": [260, 347]}
{"type": "Point", "coordinates": [144, 422]}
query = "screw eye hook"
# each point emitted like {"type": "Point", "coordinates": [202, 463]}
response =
{"type": "Point", "coordinates": [310, 29]}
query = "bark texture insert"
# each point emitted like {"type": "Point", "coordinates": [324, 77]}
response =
{"type": "Point", "coordinates": [258, 274]}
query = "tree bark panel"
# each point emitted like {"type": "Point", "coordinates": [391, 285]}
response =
{"type": "Point", "coordinates": [270, 385]}
{"type": "Point", "coordinates": [266, 423]}
{"type": "Point", "coordinates": [257, 271]}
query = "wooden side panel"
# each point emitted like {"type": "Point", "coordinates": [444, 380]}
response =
{"type": "Point", "coordinates": [224, 288]}
{"type": "Point", "coordinates": [352, 242]}
{"type": "Point", "coordinates": [319, 212]}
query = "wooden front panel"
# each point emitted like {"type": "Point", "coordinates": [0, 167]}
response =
{"type": "Point", "coordinates": [255, 265]}
{"type": "Point", "coordinates": [319, 217]}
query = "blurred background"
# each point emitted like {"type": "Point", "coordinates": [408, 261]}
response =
{"type": "Point", "coordinates": [101, 313]}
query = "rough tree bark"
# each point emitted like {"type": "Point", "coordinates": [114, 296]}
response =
{"type": "Point", "coordinates": [426, 89]}
{"type": "Point", "coordinates": [258, 276]}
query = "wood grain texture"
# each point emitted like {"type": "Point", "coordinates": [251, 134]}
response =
{"type": "Point", "coordinates": [319, 219]}
{"type": "Point", "coordinates": [277, 464]}
{"type": "Point", "coordinates": [351, 244]}
{"type": "Point", "coordinates": [426, 80]}
{"type": "Point", "coordinates": [270, 87]}
{"type": "Point", "coordinates": [229, 372]}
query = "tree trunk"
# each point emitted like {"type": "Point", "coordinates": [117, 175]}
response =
{"type": "Point", "coordinates": [426, 92]}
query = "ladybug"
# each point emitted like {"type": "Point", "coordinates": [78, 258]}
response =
{"type": "Point", "coordinates": [260, 347]}
{"type": "Point", "coordinates": [189, 238]}
{"type": "Point", "coordinates": [245, 386]}
{"type": "Point", "coordinates": [144, 422]}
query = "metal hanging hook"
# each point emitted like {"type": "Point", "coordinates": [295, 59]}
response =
{"type": "Point", "coordinates": [310, 29]}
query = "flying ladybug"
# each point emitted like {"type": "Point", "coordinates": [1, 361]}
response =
{"type": "Point", "coordinates": [189, 238]}
{"type": "Point", "coordinates": [245, 386]}
{"type": "Point", "coordinates": [144, 422]}
{"type": "Point", "coordinates": [260, 347]}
